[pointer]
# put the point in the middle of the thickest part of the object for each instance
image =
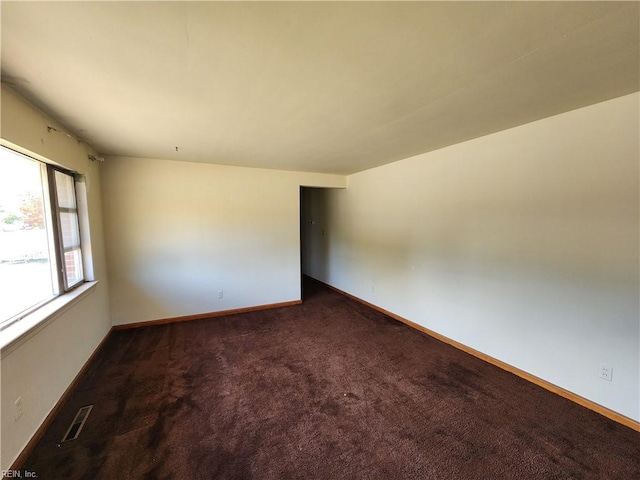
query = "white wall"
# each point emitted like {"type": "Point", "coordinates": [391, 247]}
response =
{"type": "Point", "coordinates": [40, 367]}
{"type": "Point", "coordinates": [180, 232]}
{"type": "Point", "coordinates": [523, 245]}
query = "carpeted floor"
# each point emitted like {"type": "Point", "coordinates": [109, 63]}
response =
{"type": "Point", "coordinates": [325, 390]}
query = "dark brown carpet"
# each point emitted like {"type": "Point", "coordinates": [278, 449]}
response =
{"type": "Point", "coordinates": [329, 389]}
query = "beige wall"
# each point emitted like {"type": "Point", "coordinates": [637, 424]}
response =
{"type": "Point", "coordinates": [523, 245]}
{"type": "Point", "coordinates": [40, 367]}
{"type": "Point", "coordinates": [178, 233]}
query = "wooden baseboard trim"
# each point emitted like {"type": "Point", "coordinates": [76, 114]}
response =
{"type": "Point", "coordinates": [615, 416]}
{"type": "Point", "coordinates": [200, 316]}
{"type": "Point", "coordinates": [35, 438]}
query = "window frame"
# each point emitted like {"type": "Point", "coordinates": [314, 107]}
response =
{"type": "Point", "coordinates": [52, 210]}
{"type": "Point", "coordinates": [59, 245]}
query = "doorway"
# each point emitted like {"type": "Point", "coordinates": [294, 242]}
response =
{"type": "Point", "coordinates": [314, 235]}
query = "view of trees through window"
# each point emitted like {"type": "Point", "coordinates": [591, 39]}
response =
{"type": "Point", "coordinates": [25, 271]}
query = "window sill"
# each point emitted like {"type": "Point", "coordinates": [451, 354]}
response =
{"type": "Point", "coordinates": [19, 332]}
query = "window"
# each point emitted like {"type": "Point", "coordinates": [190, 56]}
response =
{"type": "Point", "coordinates": [64, 200]}
{"type": "Point", "coordinates": [40, 250]}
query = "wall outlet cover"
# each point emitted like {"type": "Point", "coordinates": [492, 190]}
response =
{"type": "Point", "coordinates": [606, 372]}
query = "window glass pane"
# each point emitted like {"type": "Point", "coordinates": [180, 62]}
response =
{"type": "Point", "coordinates": [25, 271]}
{"type": "Point", "coordinates": [73, 267]}
{"type": "Point", "coordinates": [69, 230]}
{"type": "Point", "coordinates": [65, 190]}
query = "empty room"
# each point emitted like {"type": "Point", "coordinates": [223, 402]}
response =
{"type": "Point", "coordinates": [325, 240]}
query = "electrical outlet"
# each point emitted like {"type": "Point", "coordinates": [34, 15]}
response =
{"type": "Point", "coordinates": [17, 412]}
{"type": "Point", "coordinates": [606, 372]}
{"type": "Point", "coordinates": [220, 295]}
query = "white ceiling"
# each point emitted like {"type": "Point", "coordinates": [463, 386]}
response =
{"type": "Point", "coordinates": [326, 87]}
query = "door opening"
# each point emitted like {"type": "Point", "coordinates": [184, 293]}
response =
{"type": "Point", "coordinates": [314, 236]}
